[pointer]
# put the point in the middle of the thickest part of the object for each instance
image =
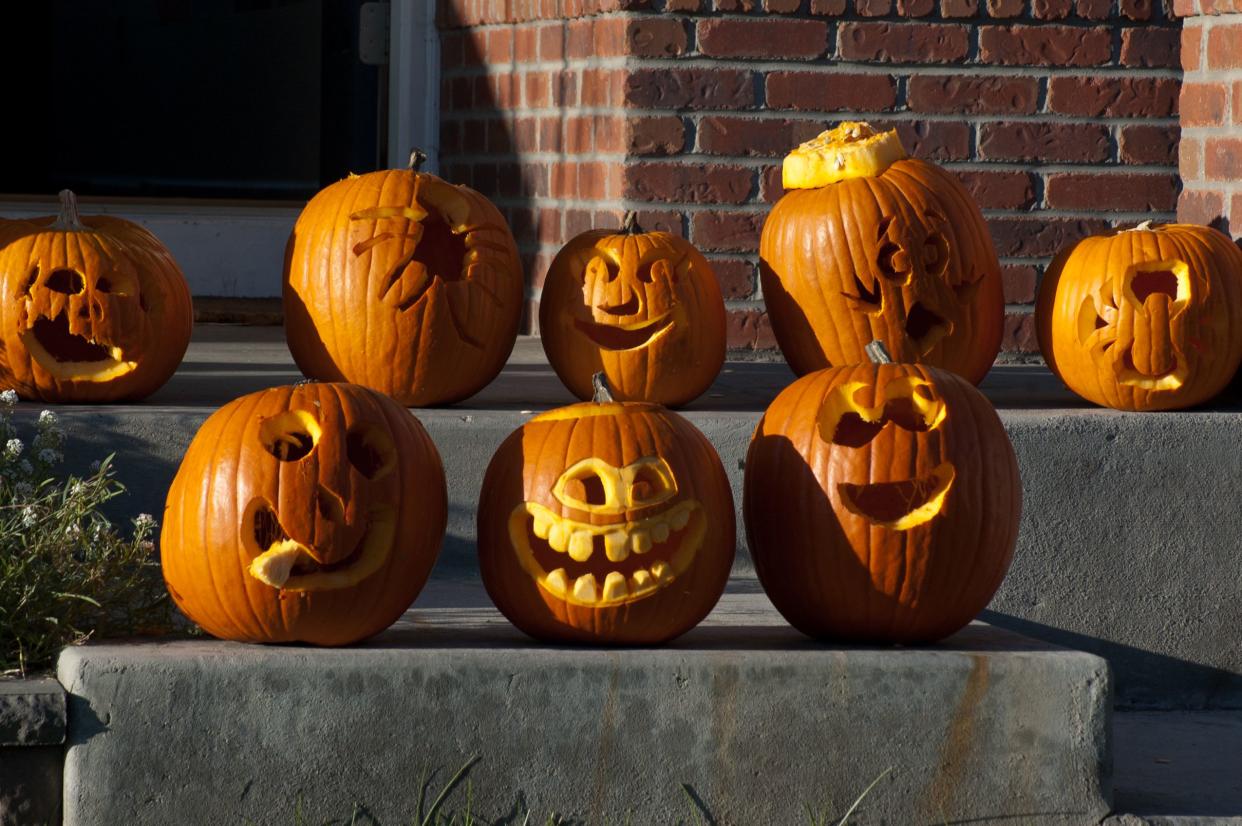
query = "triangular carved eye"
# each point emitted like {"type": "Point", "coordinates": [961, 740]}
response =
{"type": "Point", "coordinates": [600, 268]}
{"type": "Point", "coordinates": [371, 451]}
{"type": "Point", "coordinates": [290, 436]}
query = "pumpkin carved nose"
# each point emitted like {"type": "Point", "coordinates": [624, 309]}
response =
{"type": "Point", "coordinates": [628, 307]}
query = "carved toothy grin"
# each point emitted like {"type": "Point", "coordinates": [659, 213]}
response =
{"type": "Point", "coordinates": [625, 336]}
{"type": "Point", "coordinates": [599, 566]}
{"type": "Point", "coordinates": [68, 356]}
{"type": "Point", "coordinates": [900, 505]}
{"type": "Point", "coordinates": [292, 566]}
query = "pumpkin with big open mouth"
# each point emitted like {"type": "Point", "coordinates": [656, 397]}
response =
{"type": "Point", "coordinates": [95, 308]}
{"type": "Point", "coordinates": [311, 513]}
{"type": "Point", "coordinates": [1145, 318]}
{"type": "Point", "coordinates": [881, 502]}
{"type": "Point", "coordinates": [405, 283]}
{"type": "Point", "coordinates": [643, 308]}
{"type": "Point", "coordinates": [868, 243]}
{"type": "Point", "coordinates": [606, 522]}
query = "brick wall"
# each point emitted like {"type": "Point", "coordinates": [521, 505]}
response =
{"type": "Point", "coordinates": [1211, 110]}
{"type": "Point", "coordinates": [1059, 115]}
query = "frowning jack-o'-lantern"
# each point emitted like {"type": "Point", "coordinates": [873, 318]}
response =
{"type": "Point", "coordinates": [310, 513]}
{"type": "Point", "coordinates": [868, 243]}
{"type": "Point", "coordinates": [606, 522]}
{"type": "Point", "coordinates": [1145, 318]}
{"type": "Point", "coordinates": [95, 308]}
{"type": "Point", "coordinates": [405, 283]}
{"type": "Point", "coordinates": [644, 308]}
{"type": "Point", "coordinates": [881, 503]}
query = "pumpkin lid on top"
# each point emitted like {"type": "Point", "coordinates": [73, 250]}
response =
{"type": "Point", "coordinates": [852, 150]}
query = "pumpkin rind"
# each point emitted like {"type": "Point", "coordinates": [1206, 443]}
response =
{"type": "Point", "coordinates": [359, 502]}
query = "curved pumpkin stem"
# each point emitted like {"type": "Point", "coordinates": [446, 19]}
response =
{"type": "Point", "coordinates": [878, 353]}
{"type": "Point", "coordinates": [417, 158]}
{"type": "Point", "coordinates": [68, 219]}
{"type": "Point", "coordinates": [603, 393]}
{"type": "Point", "coordinates": [629, 224]}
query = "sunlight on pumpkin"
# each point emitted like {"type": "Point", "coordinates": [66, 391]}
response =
{"type": "Point", "coordinates": [908, 402]}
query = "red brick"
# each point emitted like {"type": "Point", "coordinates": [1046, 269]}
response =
{"type": "Point", "coordinates": [683, 5]}
{"type": "Point", "coordinates": [999, 189]}
{"type": "Point", "coordinates": [1192, 40]}
{"type": "Point", "coordinates": [538, 90]}
{"type": "Point", "coordinates": [657, 135]}
{"type": "Point", "coordinates": [1045, 142]}
{"type": "Point", "coordinates": [1222, 159]}
{"type": "Point", "coordinates": [1190, 158]}
{"type": "Point", "coordinates": [1152, 47]}
{"type": "Point", "coordinates": [829, 8]}
{"type": "Point", "coordinates": [1235, 214]}
{"type": "Point", "coordinates": [1051, 9]}
{"type": "Point", "coordinates": [602, 37]}
{"type": "Point", "coordinates": [935, 140]}
{"type": "Point", "coordinates": [726, 231]}
{"type": "Point", "coordinates": [499, 46]}
{"type": "Point", "coordinates": [770, 187]}
{"type": "Point", "coordinates": [1197, 206]}
{"type": "Point", "coordinates": [1237, 101]}
{"type": "Point", "coordinates": [728, 37]}
{"type": "Point", "coordinates": [1224, 46]}
{"type": "Point", "coordinates": [602, 87]}
{"type": "Point", "coordinates": [830, 92]}
{"type": "Point", "coordinates": [873, 8]}
{"type": "Point", "coordinates": [749, 330]}
{"type": "Point", "coordinates": [915, 8]}
{"type": "Point", "coordinates": [959, 8]}
{"type": "Point", "coordinates": [1039, 236]}
{"type": "Point", "coordinates": [1136, 9]}
{"type": "Point", "coordinates": [690, 89]}
{"type": "Point", "coordinates": [973, 94]}
{"type": "Point", "coordinates": [734, 5]}
{"type": "Point", "coordinates": [1018, 281]}
{"type": "Point", "coordinates": [499, 138]}
{"type": "Point", "coordinates": [552, 42]}
{"type": "Point", "coordinates": [904, 42]}
{"type": "Point", "coordinates": [655, 37]}
{"type": "Point", "coordinates": [577, 221]}
{"type": "Point", "coordinates": [474, 136]}
{"type": "Point", "coordinates": [1113, 96]}
{"type": "Point", "coordinates": [724, 135]}
{"type": "Point", "coordinates": [736, 278]}
{"type": "Point", "coordinates": [549, 135]}
{"type": "Point", "coordinates": [1045, 45]}
{"type": "Point", "coordinates": [1019, 334]}
{"type": "Point", "coordinates": [1142, 143]}
{"type": "Point", "coordinates": [1099, 191]}
{"type": "Point", "coordinates": [1006, 8]}
{"type": "Point", "coordinates": [653, 220]}
{"type": "Point", "coordinates": [685, 183]}
{"type": "Point", "coordinates": [1093, 9]}
{"type": "Point", "coordinates": [781, 6]}
{"type": "Point", "coordinates": [1203, 104]}
{"type": "Point", "coordinates": [525, 44]}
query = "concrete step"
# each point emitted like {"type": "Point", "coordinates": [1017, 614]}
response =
{"type": "Point", "coordinates": [1129, 534]}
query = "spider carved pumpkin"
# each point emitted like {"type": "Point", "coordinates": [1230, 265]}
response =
{"type": "Point", "coordinates": [310, 513]}
{"type": "Point", "coordinates": [644, 308]}
{"type": "Point", "coordinates": [94, 310]}
{"type": "Point", "coordinates": [1144, 319]}
{"type": "Point", "coordinates": [881, 503]}
{"type": "Point", "coordinates": [868, 243]}
{"type": "Point", "coordinates": [405, 283]}
{"type": "Point", "coordinates": [606, 522]}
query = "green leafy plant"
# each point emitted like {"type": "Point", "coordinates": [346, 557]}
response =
{"type": "Point", "coordinates": [66, 572]}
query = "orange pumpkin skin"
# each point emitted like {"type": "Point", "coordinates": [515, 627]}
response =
{"type": "Point", "coordinates": [903, 257]}
{"type": "Point", "coordinates": [95, 308]}
{"type": "Point", "coordinates": [644, 308]}
{"type": "Point", "coordinates": [633, 474]}
{"type": "Point", "coordinates": [405, 283]}
{"type": "Point", "coordinates": [1144, 319]}
{"type": "Point", "coordinates": [900, 526]}
{"type": "Point", "coordinates": [311, 513]}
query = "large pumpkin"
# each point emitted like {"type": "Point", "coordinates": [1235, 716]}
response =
{"type": "Point", "coordinates": [644, 308]}
{"type": "Point", "coordinates": [405, 283]}
{"type": "Point", "coordinates": [310, 513]}
{"type": "Point", "coordinates": [881, 503]}
{"type": "Point", "coordinates": [868, 243]}
{"type": "Point", "coordinates": [1144, 319]}
{"type": "Point", "coordinates": [606, 522]}
{"type": "Point", "coordinates": [95, 308]}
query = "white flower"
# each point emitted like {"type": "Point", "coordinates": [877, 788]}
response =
{"type": "Point", "coordinates": [13, 448]}
{"type": "Point", "coordinates": [147, 545]}
{"type": "Point", "coordinates": [8, 397]}
{"type": "Point", "coordinates": [74, 531]}
{"type": "Point", "coordinates": [76, 488]}
{"type": "Point", "coordinates": [144, 522]}
{"type": "Point", "coordinates": [49, 457]}
{"type": "Point", "coordinates": [47, 419]}
{"type": "Point", "coordinates": [30, 516]}
{"type": "Point", "coordinates": [26, 467]}
{"type": "Point", "coordinates": [23, 489]}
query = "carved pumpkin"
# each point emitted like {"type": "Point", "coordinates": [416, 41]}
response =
{"type": "Point", "coordinates": [405, 283]}
{"type": "Point", "coordinates": [606, 522]}
{"type": "Point", "coordinates": [881, 503]}
{"type": "Point", "coordinates": [1144, 319]}
{"type": "Point", "coordinates": [644, 308]}
{"type": "Point", "coordinates": [94, 310]}
{"type": "Point", "coordinates": [311, 513]}
{"type": "Point", "coordinates": [868, 243]}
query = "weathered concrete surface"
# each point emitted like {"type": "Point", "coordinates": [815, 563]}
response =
{"type": "Point", "coordinates": [32, 733]}
{"type": "Point", "coordinates": [1129, 536]}
{"type": "Point", "coordinates": [754, 718]}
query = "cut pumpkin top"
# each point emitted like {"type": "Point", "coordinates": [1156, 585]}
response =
{"type": "Point", "coordinates": [851, 150]}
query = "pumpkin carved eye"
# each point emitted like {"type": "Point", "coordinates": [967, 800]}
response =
{"type": "Point", "coordinates": [290, 436]}
{"type": "Point", "coordinates": [68, 282]}
{"type": "Point", "coordinates": [892, 259]}
{"type": "Point", "coordinates": [370, 451]}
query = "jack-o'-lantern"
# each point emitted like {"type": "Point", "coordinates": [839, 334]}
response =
{"type": "Point", "coordinates": [881, 503]}
{"type": "Point", "coordinates": [94, 310]}
{"type": "Point", "coordinates": [405, 283]}
{"type": "Point", "coordinates": [643, 308]}
{"type": "Point", "coordinates": [868, 243]}
{"type": "Point", "coordinates": [310, 513]}
{"type": "Point", "coordinates": [1148, 318]}
{"type": "Point", "coordinates": [606, 522]}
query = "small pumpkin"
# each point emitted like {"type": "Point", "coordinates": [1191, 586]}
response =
{"type": "Point", "coordinates": [95, 308]}
{"type": "Point", "coordinates": [868, 243]}
{"type": "Point", "coordinates": [881, 502]}
{"type": "Point", "coordinates": [644, 308]}
{"type": "Point", "coordinates": [606, 522]}
{"type": "Point", "coordinates": [405, 283]}
{"type": "Point", "coordinates": [1148, 318]}
{"type": "Point", "coordinates": [310, 513]}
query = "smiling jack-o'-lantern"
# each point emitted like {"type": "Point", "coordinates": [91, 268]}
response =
{"type": "Point", "coordinates": [405, 283]}
{"type": "Point", "coordinates": [871, 244]}
{"type": "Point", "coordinates": [606, 522]}
{"type": "Point", "coordinates": [310, 513]}
{"type": "Point", "coordinates": [881, 503]}
{"type": "Point", "coordinates": [644, 308]}
{"type": "Point", "coordinates": [1144, 319]}
{"type": "Point", "coordinates": [94, 310]}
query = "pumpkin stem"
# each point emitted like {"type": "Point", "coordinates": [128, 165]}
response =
{"type": "Point", "coordinates": [603, 393]}
{"type": "Point", "coordinates": [68, 220]}
{"type": "Point", "coordinates": [629, 225]}
{"type": "Point", "coordinates": [417, 158]}
{"type": "Point", "coordinates": [878, 353]}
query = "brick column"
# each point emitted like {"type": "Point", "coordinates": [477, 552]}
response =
{"type": "Point", "coordinates": [1211, 111]}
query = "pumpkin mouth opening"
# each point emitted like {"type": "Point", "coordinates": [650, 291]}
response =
{"type": "Point", "coordinates": [925, 327]}
{"type": "Point", "coordinates": [621, 337]}
{"type": "Point", "coordinates": [63, 345]}
{"type": "Point", "coordinates": [900, 505]}
{"type": "Point", "coordinates": [1128, 374]}
{"type": "Point", "coordinates": [68, 356]}
{"type": "Point", "coordinates": [289, 565]}
{"type": "Point", "coordinates": [604, 565]}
